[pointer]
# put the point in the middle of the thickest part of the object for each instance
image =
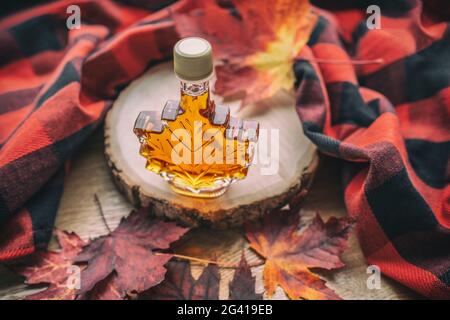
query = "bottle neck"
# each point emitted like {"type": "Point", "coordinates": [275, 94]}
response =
{"type": "Point", "coordinates": [194, 95]}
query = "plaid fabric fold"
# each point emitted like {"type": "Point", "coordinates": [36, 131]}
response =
{"type": "Point", "coordinates": [390, 122]}
{"type": "Point", "coordinates": [55, 86]}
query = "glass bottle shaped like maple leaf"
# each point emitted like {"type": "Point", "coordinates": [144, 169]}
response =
{"type": "Point", "coordinates": [195, 145]}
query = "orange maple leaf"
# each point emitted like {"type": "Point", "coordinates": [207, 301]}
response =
{"type": "Point", "coordinates": [255, 41]}
{"type": "Point", "coordinates": [290, 255]}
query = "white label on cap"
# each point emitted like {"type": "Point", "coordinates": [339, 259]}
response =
{"type": "Point", "coordinates": [193, 46]}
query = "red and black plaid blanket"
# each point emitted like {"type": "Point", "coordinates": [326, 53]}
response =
{"type": "Point", "coordinates": [389, 122]}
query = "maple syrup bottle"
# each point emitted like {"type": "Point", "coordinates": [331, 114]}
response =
{"type": "Point", "coordinates": [196, 146]}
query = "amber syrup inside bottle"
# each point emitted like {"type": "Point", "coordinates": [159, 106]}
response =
{"type": "Point", "coordinates": [195, 145]}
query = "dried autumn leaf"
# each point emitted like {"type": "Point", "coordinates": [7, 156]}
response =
{"type": "Point", "coordinates": [242, 287]}
{"type": "Point", "coordinates": [290, 255]}
{"type": "Point", "coordinates": [129, 252]}
{"type": "Point", "coordinates": [256, 42]}
{"type": "Point", "coordinates": [180, 285]}
{"type": "Point", "coordinates": [53, 268]}
{"type": "Point", "coordinates": [54, 292]}
{"type": "Point", "coordinates": [106, 289]}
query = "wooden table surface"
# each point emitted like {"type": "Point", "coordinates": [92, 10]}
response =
{"type": "Point", "coordinates": [90, 175]}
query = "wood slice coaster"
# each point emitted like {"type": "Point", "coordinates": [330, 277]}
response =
{"type": "Point", "coordinates": [245, 199]}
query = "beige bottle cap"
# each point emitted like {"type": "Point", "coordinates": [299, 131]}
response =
{"type": "Point", "coordinates": [192, 59]}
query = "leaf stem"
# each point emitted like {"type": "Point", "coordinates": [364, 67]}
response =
{"type": "Point", "coordinates": [102, 214]}
{"type": "Point", "coordinates": [206, 261]}
{"type": "Point", "coordinates": [351, 61]}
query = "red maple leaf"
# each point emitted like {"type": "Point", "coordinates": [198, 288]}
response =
{"type": "Point", "coordinates": [53, 268]}
{"type": "Point", "coordinates": [256, 42]}
{"type": "Point", "coordinates": [290, 255]}
{"type": "Point", "coordinates": [127, 255]}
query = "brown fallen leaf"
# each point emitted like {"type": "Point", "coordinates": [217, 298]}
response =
{"type": "Point", "coordinates": [107, 289]}
{"type": "Point", "coordinates": [256, 42]}
{"type": "Point", "coordinates": [290, 255]}
{"type": "Point", "coordinates": [180, 285]}
{"type": "Point", "coordinates": [53, 268]}
{"type": "Point", "coordinates": [129, 252]}
{"type": "Point", "coordinates": [242, 287]}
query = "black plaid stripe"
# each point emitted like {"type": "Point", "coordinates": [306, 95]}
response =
{"type": "Point", "coordinates": [399, 208]}
{"type": "Point", "coordinates": [20, 179]}
{"type": "Point", "coordinates": [391, 8]}
{"type": "Point", "coordinates": [427, 250]}
{"type": "Point", "coordinates": [349, 106]}
{"type": "Point", "coordinates": [68, 75]}
{"type": "Point", "coordinates": [430, 161]}
{"type": "Point", "coordinates": [14, 100]}
{"type": "Point", "coordinates": [38, 34]}
{"type": "Point", "coordinates": [43, 207]}
{"type": "Point", "coordinates": [416, 77]}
